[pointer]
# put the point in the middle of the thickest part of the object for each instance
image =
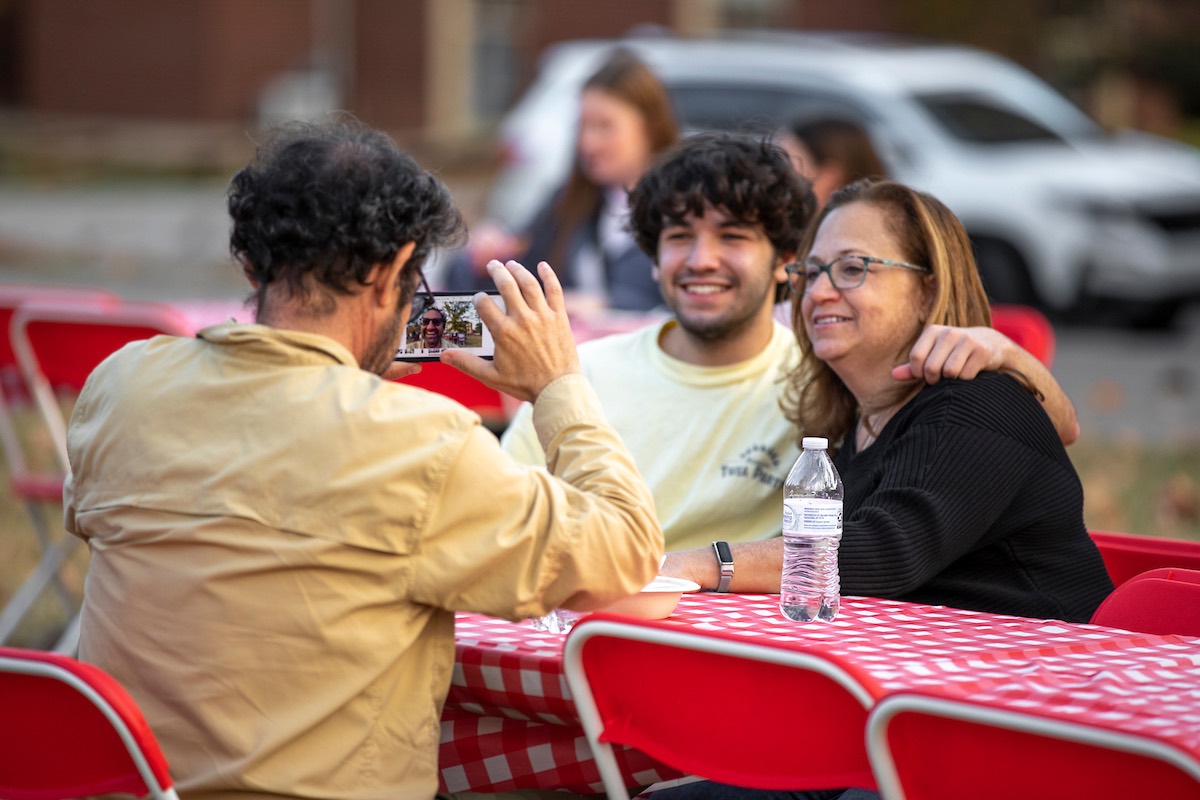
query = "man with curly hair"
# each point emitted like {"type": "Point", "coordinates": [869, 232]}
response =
{"type": "Point", "coordinates": [721, 215]}
{"type": "Point", "coordinates": [280, 537]}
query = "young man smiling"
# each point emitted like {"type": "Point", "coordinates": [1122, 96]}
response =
{"type": "Point", "coordinates": [696, 398]}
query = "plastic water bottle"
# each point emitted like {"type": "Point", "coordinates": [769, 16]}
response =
{"type": "Point", "coordinates": [812, 530]}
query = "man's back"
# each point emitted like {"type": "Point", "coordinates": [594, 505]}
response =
{"type": "Point", "coordinates": [272, 559]}
{"type": "Point", "coordinates": [297, 563]}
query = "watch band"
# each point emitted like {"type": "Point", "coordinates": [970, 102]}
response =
{"type": "Point", "coordinates": [725, 561]}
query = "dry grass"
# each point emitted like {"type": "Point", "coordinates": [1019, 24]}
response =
{"type": "Point", "coordinates": [1139, 489]}
{"type": "Point", "coordinates": [21, 549]}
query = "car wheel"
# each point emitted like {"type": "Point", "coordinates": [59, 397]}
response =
{"type": "Point", "coordinates": [1004, 272]}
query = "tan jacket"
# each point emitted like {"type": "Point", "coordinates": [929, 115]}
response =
{"type": "Point", "coordinates": [279, 541]}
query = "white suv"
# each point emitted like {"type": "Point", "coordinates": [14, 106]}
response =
{"type": "Point", "coordinates": [1062, 214]}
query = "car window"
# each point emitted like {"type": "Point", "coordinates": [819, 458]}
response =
{"type": "Point", "coordinates": [977, 120]}
{"type": "Point", "coordinates": [742, 107]}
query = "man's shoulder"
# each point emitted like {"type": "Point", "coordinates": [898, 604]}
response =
{"type": "Point", "coordinates": [144, 354]}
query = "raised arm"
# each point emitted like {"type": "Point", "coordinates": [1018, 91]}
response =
{"type": "Point", "coordinates": [947, 352]}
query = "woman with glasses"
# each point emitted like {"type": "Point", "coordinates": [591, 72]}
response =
{"type": "Point", "coordinates": [958, 492]}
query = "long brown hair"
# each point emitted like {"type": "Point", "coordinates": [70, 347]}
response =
{"type": "Point", "coordinates": [626, 77]}
{"type": "Point", "coordinates": [928, 234]}
{"type": "Point", "coordinates": [842, 142]}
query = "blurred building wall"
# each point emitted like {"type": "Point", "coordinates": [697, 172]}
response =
{"type": "Point", "coordinates": [391, 49]}
{"type": "Point", "coordinates": [443, 70]}
{"type": "Point", "coordinates": [192, 59]}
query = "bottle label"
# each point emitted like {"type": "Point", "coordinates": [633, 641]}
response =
{"type": "Point", "coordinates": [812, 516]}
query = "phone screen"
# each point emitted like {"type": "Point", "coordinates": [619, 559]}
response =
{"type": "Point", "coordinates": [451, 323]}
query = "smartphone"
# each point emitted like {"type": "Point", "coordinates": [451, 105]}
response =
{"type": "Point", "coordinates": [451, 323]}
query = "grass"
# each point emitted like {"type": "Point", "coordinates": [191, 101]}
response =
{"type": "Point", "coordinates": [1139, 489]}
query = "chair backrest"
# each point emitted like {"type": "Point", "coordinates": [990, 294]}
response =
{"type": "Point", "coordinates": [1160, 601]}
{"type": "Point", "coordinates": [488, 403]}
{"type": "Point", "coordinates": [58, 345]}
{"type": "Point", "coordinates": [1126, 554]}
{"type": "Point", "coordinates": [69, 730]}
{"type": "Point", "coordinates": [12, 296]}
{"type": "Point", "coordinates": [650, 685]}
{"type": "Point", "coordinates": [933, 748]}
{"type": "Point", "coordinates": [13, 388]}
{"type": "Point", "coordinates": [1028, 327]}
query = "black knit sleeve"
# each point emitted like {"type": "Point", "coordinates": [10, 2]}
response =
{"type": "Point", "coordinates": [961, 468]}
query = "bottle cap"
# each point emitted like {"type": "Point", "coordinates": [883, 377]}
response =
{"type": "Point", "coordinates": [815, 443]}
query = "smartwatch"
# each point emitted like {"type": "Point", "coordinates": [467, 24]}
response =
{"type": "Point", "coordinates": [725, 560]}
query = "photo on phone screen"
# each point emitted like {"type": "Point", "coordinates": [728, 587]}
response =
{"type": "Point", "coordinates": [451, 323]}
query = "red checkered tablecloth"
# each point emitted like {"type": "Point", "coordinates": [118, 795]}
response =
{"type": "Point", "coordinates": [510, 722]}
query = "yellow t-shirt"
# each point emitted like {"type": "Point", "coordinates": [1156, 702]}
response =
{"type": "Point", "coordinates": [711, 442]}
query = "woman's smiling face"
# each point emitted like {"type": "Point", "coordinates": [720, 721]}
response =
{"type": "Point", "coordinates": [865, 327]}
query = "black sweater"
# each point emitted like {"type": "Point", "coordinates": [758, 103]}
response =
{"type": "Point", "coordinates": [968, 499]}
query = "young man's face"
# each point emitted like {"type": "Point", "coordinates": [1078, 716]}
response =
{"type": "Point", "coordinates": [432, 328]}
{"type": "Point", "coordinates": [717, 274]}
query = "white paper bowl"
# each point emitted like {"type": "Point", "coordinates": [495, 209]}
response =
{"type": "Point", "coordinates": [656, 600]}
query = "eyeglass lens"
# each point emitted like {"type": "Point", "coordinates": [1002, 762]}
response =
{"type": "Point", "coordinates": [847, 272]}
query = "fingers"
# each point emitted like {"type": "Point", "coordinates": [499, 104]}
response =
{"type": "Point", "coordinates": [400, 369]}
{"type": "Point", "coordinates": [489, 311]}
{"type": "Point", "coordinates": [517, 285]}
{"type": "Point", "coordinates": [553, 288]}
{"type": "Point", "coordinates": [532, 333]}
{"type": "Point", "coordinates": [946, 352]}
{"type": "Point", "coordinates": [478, 368]}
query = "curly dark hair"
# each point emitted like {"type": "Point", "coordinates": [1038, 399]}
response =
{"type": "Point", "coordinates": [324, 203]}
{"type": "Point", "coordinates": [748, 177]}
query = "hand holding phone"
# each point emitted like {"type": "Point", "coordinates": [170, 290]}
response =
{"type": "Point", "coordinates": [534, 343]}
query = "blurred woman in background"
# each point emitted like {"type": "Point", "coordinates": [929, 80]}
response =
{"type": "Point", "coordinates": [831, 152]}
{"type": "Point", "coordinates": [625, 120]}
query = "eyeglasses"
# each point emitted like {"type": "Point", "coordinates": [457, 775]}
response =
{"type": "Point", "coordinates": [439, 322]}
{"type": "Point", "coordinates": [422, 302]}
{"type": "Point", "coordinates": [845, 272]}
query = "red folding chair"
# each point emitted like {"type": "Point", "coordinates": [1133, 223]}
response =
{"type": "Point", "coordinates": [1028, 327]}
{"type": "Point", "coordinates": [776, 719]}
{"type": "Point", "coordinates": [70, 730]}
{"type": "Point", "coordinates": [38, 490]}
{"type": "Point", "coordinates": [1161, 601]}
{"type": "Point", "coordinates": [57, 345]}
{"type": "Point", "coordinates": [1127, 554]}
{"type": "Point", "coordinates": [933, 748]}
{"type": "Point", "coordinates": [12, 295]}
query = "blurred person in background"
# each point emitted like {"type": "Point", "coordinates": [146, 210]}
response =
{"type": "Point", "coordinates": [830, 152]}
{"type": "Point", "coordinates": [625, 120]}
